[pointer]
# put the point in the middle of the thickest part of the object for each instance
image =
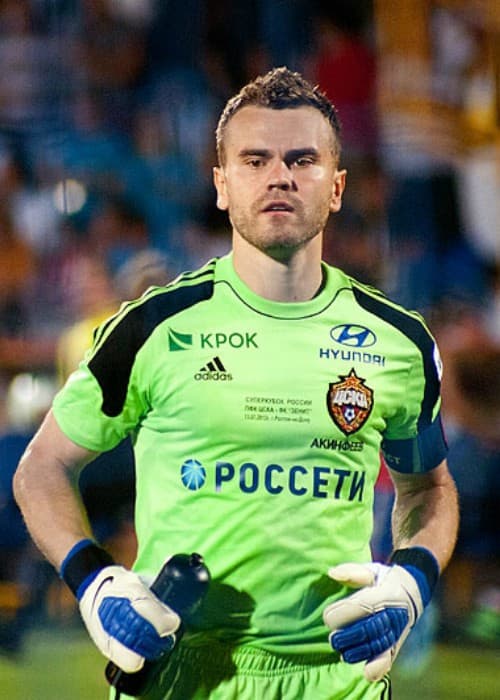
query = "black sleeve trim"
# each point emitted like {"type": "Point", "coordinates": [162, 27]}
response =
{"type": "Point", "coordinates": [112, 363]}
{"type": "Point", "coordinates": [415, 330]}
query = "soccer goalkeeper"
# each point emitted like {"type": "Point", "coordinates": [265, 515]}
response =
{"type": "Point", "coordinates": [259, 391]}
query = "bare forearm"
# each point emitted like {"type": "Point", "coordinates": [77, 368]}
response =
{"type": "Point", "coordinates": [44, 487]}
{"type": "Point", "coordinates": [426, 514]}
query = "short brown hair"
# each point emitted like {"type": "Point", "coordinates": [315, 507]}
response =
{"type": "Point", "coordinates": [281, 88]}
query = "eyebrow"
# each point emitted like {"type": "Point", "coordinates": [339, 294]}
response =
{"type": "Point", "coordinates": [262, 152]}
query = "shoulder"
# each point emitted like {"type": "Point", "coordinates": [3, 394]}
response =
{"type": "Point", "coordinates": [119, 340]}
{"type": "Point", "coordinates": [408, 322]}
{"type": "Point", "coordinates": [136, 320]}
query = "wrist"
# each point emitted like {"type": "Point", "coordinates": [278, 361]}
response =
{"type": "Point", "coordinates": [421, 563]}
{"type": "Point", "coordinates": [82, 564]}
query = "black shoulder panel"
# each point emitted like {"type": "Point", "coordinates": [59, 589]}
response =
{"type": "Point", "coordinates": [415, 330]}
{"type": "Point", "coordinates": [112, 363]}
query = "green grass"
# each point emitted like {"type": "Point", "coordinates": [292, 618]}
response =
{"type": "Point", "coordinates": [55, 666]}
{"type": "Point", "coordinates": [454, 673]}
{"type": "Point", "coordinates": [66, 666]}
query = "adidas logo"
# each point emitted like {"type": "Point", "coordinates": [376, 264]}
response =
{"type": "Point", "coordinates": [213, 370]}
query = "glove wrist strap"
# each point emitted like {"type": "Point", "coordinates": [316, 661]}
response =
{"type": "Point", "coordinates": [422, 564]}
{"type": "Point", "coordinates": [82, 563]}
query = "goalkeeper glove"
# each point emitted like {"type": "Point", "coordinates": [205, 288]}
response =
{"type": "Point", "coordinates": [126, 621]}
{"type": "Point", "coordinates": [372, 624]}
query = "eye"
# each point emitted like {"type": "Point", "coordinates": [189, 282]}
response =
{"type": "Point", "coordinates": [304, 161]}
{"type": "Point", "coordinates": [255, 163]}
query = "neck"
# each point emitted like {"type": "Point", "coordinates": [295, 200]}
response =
{"type": "Point", "coordinates": [294, 278]}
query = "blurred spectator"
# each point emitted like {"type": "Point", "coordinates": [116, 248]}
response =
{"type": "Point", "coordinates": [33, 208]}
{"type": "Point", "coordinates": [343, 63]}
{"type": "Point", "coordinates": [176, 35]}
{"type": "Point", "coordinates": [471, 411]}
{"type": "Point", "coordinates": [473, 595]}
{"type": "Point", "coordinates": [34, 73]}
{"type": "Point", "coordinates": [204, 243]}
{"type": "Point", "coordinates": [251, 37]}
{"type": "Point", "coordinates": [357, 238]}
{"type": "Point", "coordinates": [286, 35]}
{"type": "Point", "coordinates": [479, 175]}
{"type": "Point", "coordinates": [88, 149]}
{"type": "Point", "coordinates": [494, 306]}
{"type": "Point", "coordinates": [91, 298]}
{"type": "Point", "coordinates": [94, 295]}
{"type": "Point", "coordinates": [424, 72]}
{"type": "Point", "coordinates": [23, 572]}
{"type": "Point", "coordinates": [344, 66]}
{"type": "Point", "coordinates": [111, 58]}
{"type": "Point", "coordinates": [432, 258]}
{"type": "Point", "coordinates": [17, 271]}
{"type": "Point", "coordinates": [117, 230]}
{"type": "Point", "coordinates": [148, 268]}
{"type": "Point", "coordinates": [161, 180]}
{"type": "Point", "coordinates": [184, 100]}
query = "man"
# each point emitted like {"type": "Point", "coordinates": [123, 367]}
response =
{"type": "Point", "coordinates": [259, 391]}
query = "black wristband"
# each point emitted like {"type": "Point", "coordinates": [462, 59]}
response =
{"type": "Point", "coordinates": [421, 559]}
{"type": "Point", "coordinates": [81, 562]}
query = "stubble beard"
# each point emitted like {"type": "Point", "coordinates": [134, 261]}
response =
{"type": "Point", "coordinates": [278, 239]}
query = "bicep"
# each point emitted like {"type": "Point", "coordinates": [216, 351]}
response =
{"type": "Point", "coordinates": [50, 449]}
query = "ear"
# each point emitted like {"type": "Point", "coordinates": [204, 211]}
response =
{"type": "Point", "coordinates": [220, 186]}
{"type": "Point", "coordinates": [337, 190]}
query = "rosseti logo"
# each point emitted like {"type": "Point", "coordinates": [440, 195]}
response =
{"type": "Point", "coordinates": [193, 474]}
{"type": "Point", "coordinates": [275, 479]}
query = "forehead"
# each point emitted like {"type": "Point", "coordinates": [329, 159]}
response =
{"type": "Point", "coordinates": [278, 129]}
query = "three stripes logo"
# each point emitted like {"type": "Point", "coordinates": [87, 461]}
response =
{"type": "Point", "coordinates": [213, 370]}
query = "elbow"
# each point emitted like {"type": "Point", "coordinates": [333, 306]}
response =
{"type": "Point", "coordinates": [23, 480]}
{"type": "Point", "coordinates": [19, 485]}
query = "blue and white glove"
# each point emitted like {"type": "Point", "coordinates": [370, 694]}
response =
{"type": "Point", "coordinates": [372, 624]}
{"type": "Point", "coordinates": [126, 621]}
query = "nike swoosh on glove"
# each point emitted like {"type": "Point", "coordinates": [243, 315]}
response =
{"type": "Point", "coordinates": [126, 621]}
{"type": "Point", "coordinates": [372, 624]}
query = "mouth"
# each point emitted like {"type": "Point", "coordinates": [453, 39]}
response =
{"type": "Point", "coordinates": [278, 207]}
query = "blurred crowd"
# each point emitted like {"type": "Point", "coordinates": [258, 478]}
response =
{"type": "Point", "coordinates": [107, 118]}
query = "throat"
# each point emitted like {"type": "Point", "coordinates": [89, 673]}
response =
{"type": "Point", "coordinates": [295, 277]}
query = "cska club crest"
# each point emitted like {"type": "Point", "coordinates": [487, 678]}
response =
{"type": "Point", "coordinates": [349, 402]}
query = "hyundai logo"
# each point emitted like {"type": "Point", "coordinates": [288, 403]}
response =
{"type": "Point", "coordinates": [353, 335]}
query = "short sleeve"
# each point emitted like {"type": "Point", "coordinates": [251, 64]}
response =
{"type": "Point", "coordinates": [414, 440]}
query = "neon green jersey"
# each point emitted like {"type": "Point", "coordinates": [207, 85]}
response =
{"type": "Point", "coordinates": [258, 428]}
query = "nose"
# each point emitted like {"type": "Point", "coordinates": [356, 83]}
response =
{"type": "Point", "coordinates": [281, 177]}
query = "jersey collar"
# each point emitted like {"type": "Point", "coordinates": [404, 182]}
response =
{"type": "Point", "coordinates": [333, 279]}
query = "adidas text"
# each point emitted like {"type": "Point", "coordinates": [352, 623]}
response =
{"type": "Point", "coordinates": [215, 376]}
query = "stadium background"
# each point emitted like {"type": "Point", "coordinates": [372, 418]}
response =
{"type": "Point", "coordinates": [107, 114]}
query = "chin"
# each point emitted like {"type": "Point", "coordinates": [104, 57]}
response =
{"type": "Point", "coordinates": [282, 250]}
{"type": "Point", "coordinates": [287, 241]}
